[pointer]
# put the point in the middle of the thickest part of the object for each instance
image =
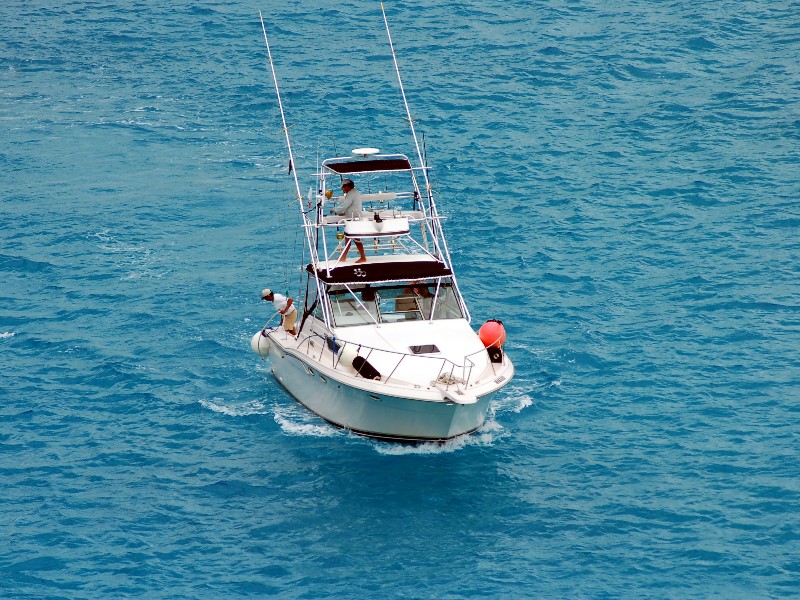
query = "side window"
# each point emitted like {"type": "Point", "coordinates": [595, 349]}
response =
{"type": "Point", "coordinates": [313, 304]}
{"type": "Point", "coordinates": [446, 305]}
{"type": "Point", "coordinates": [311, 297]}
{"type": "Point", "coordinates": [318, 311]}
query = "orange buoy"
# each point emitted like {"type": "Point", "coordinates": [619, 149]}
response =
{"type": "Point", "coordinates": [492, 333]}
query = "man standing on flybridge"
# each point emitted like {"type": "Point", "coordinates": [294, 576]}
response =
{"type": "Point", "coordinates": [350, 207]}
{"type": "Point", "coordinates": [285, 306]}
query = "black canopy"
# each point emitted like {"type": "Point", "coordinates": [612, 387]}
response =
{"type": "Point", "coordinates": [365, 166]}
{"type": "Point", "coordinates": [372, 272]}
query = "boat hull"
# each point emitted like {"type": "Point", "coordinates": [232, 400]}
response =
{"type": "Point", "coordinates": [371, 412]}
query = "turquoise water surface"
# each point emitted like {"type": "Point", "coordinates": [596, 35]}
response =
{"type": "Point", "coordinates": [622, 187]}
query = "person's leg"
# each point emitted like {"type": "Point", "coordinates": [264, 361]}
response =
{"type": "Point", "coordinates": [288, 322]}
{"type": "Point", "coordinates": [360, 248]}
{"type": "Point", "coordinates": [343, 256]}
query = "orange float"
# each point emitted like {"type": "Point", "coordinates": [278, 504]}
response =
{"type": "Point", "coordinates": [492, 334]}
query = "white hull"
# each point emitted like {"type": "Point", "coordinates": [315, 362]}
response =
{"type": "Point", "coordinates": [373, 410]}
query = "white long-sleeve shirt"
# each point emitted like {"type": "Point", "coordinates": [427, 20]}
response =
{"type": "Point", "coordinates": [350, 204]}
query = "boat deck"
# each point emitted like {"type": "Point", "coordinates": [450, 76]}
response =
{"type": "Point", "coordinates": [454, 363]}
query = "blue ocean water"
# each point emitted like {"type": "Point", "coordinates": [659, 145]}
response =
{"type": "Point", "coordinates": [622, 182]}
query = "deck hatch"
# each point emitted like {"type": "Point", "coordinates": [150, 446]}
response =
{"type": "Point", "coordinates": [424, 349]}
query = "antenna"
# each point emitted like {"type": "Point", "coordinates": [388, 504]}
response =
{"type": "Point", "coordinates": [292, 168]}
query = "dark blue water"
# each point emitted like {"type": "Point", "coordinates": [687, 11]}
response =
{"type": "Point", "coordinates": [623, 189]}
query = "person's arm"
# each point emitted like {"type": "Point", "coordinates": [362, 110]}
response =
{"type": "Point", "coordinates": [338, 207]}
{"type": "Point", "coordinates": [345, 203]}
{"type": "Point", "coordinates": [288, 306]}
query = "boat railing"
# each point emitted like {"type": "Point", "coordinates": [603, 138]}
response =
{"type": "Point", "coordinates": [413, 216]}
{"type": "Point", "coordinates": [449, 373]}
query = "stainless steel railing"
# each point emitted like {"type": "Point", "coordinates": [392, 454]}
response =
{"type": "Point", "coordinates": [449, 373]}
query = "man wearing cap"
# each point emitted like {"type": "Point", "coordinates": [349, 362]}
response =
{"type": "Point", "coordinates": [285, 306]}
{"type": "Point", "coordinates": [350, 207]}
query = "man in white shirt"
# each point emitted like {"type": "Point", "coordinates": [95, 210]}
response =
{"type": "Point", "coordinates": [285, 306]}
{"type": "Point", "coordinates": [350, 207]}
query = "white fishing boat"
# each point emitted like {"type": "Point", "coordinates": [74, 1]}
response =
{"type": "Point", "coordinates": [383, 347]}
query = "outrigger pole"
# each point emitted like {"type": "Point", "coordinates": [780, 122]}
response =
{"type": "Point", "coordinates": [405, 102]}
{"type": "Point", "coordinates": [292, 166]}
{"type": "Point", "coordinates": [437, 238]}
{"type": "Point", "coordinates": [411, 124]}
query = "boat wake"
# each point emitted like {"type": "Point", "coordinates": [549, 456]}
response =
{"type": "Point", "coordinates": [490, 432]}
{"type": "Point", "coordinates": [295, 420]}
{"type": "Point", "coordinates": [138, 261]}
{"type": "Point", "coordinates": [515, 401]}
{"type": "Point", "coordinates": [254, 407]}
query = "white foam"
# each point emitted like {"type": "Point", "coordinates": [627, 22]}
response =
{"type": "Point", "coordinates": [110, 243]}
{"type": "Point", "coordinates": [146, 274]}
{"type": "Point", "coordinates": [523, 402]}
{"type": "Point", "coordinates": [515, 400]}
{"type": "Point", "coordinates": [490, 432]}
{"type": "Point", "coordinates": [254, 407]}
{"type": "Point", "coordinates": [7, 334]}
{"type": "Point", "coordinates": [140, 261]}
{"type": "Point", "coordinates": [301, 422]}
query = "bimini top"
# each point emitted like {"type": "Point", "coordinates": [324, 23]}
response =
{"type": "Point", "coordinates": [381, 268]}
{"type": "Point", "coordinates": [385, 162]}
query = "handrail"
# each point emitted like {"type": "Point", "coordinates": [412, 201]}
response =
{"type": "Point", "coordinates": [340, 222]}
{"type": "Point", "coordinates": [448, 367]}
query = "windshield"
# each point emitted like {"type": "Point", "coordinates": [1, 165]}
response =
{"type": "Point", "coordinates": [394, 303]}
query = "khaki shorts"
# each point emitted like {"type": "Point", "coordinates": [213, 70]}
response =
{"type": "Point", "coordinates": [289, 319]}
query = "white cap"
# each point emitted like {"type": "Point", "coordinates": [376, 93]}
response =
{"type": "Point", "coordinates": [265, 292]}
